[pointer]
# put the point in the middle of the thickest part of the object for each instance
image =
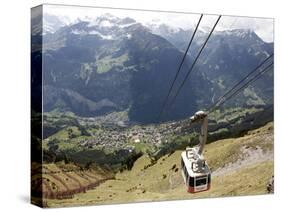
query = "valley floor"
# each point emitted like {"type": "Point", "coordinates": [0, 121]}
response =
{"type": "Point", "coordinates": [240, 166]}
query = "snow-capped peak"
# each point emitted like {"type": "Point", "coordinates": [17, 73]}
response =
{"type": "Point", "coordinates": [108, 17]}
{"type": "Point", "coordinates": [52, 23]}
{"type": "Point", "coordinates": [240, 33]}
{"type": "Point", "coordinates": [160, 28]}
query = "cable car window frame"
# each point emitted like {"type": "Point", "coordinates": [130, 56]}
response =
{"type": "Point", "coordinates": [205, 179]}
{"type": "Point", "coordinates": [185, 172]}
{"type": "Point", "coordinates": [191, 182]}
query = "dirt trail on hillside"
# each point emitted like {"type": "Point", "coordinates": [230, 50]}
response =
{"type": "Point", "coordinates": [250, 156]}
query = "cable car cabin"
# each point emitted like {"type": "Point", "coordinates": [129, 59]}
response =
{"type": "Point", "coordinates": [195, 171]}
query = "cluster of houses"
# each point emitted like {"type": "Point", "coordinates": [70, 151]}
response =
{"type": "Point", "coordinates": [121, 137]}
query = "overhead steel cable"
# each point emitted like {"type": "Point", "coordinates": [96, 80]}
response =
{"type": "Point", "coordinates": [241, 81]}
{"type": "Point", "coordinates": [194, 62]}
{"type": "Point", "coordinates": [180, 66]}
{"type": "Point", "coordinates": [213, 51]}
{"type": "Point", "coordinates": [255, 78]}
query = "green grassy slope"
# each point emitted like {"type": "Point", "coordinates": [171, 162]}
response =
{"type": "Point", "coordinates": [237, 164]}
{"type": "Point", "coordinates": [62, 181]}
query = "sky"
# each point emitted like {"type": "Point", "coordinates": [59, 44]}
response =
{"type": "Point", "coordinates": [264, 27]}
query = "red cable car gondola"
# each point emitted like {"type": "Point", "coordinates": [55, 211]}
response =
{"type": "Point", "coordinates": [194, 168]}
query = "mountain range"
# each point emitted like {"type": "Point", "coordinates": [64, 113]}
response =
{"type": "Point", "coordinates": [96, 66]}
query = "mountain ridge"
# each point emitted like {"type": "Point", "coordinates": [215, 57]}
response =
{"type": "Point", "coordinates": [130, 67]}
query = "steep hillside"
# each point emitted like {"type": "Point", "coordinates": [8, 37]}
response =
{"type": "Point", "coordinates": [240, 166]}
{"type": "Point", "coordinates": [62, 181]}
{"type": "Point", "coordinates": [123, 71]}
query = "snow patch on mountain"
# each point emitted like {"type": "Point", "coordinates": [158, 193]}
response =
{"type": "Point", "coordinates": [52, 23]}
{"type": "Point", "coordinates": [92, 32]}
{"type": "Point", "coordinates": [160, 28]}
{"type": "Point", "coordinates": [106, 23]}
{"type": "Point", "coordinates": [129, 36]}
